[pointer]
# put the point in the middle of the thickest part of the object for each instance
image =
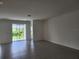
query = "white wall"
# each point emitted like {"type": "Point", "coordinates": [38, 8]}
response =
{"type": "Point", "coordinates": [5, 32]}
{"type": "Point", "coordinates": [37, 29]}
{"type": "Point", "coordinates": [45, 29]}
{"type": "Point", "coordinates": [64, 30]}
{"type": "Point", "coordinates": [28, 30]}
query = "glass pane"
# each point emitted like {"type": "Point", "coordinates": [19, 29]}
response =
{"type": "Point", "coordinates": [18, 32]}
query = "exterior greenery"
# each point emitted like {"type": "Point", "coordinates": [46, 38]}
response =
{"type": "Point", "coordinates": [17, 34]}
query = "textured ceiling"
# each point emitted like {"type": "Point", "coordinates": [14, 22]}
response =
{"type": "Point", "coordinates": [38, 9]}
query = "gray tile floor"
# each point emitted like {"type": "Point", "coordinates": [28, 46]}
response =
{"type": "Point", "coordinates": [36, 50]}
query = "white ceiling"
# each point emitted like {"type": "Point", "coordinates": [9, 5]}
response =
{"type": "Point", "coordinates": [38, 9]}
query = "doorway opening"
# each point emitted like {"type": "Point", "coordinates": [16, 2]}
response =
{"type": "Point", "coordinates": [18, 32]}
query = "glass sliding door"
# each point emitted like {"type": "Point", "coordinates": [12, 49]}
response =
{"type": "Point", "coordinates": [18, 32]}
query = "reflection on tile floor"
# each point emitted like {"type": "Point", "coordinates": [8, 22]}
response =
{"type": "Point", "coordinates": [36, 50]}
